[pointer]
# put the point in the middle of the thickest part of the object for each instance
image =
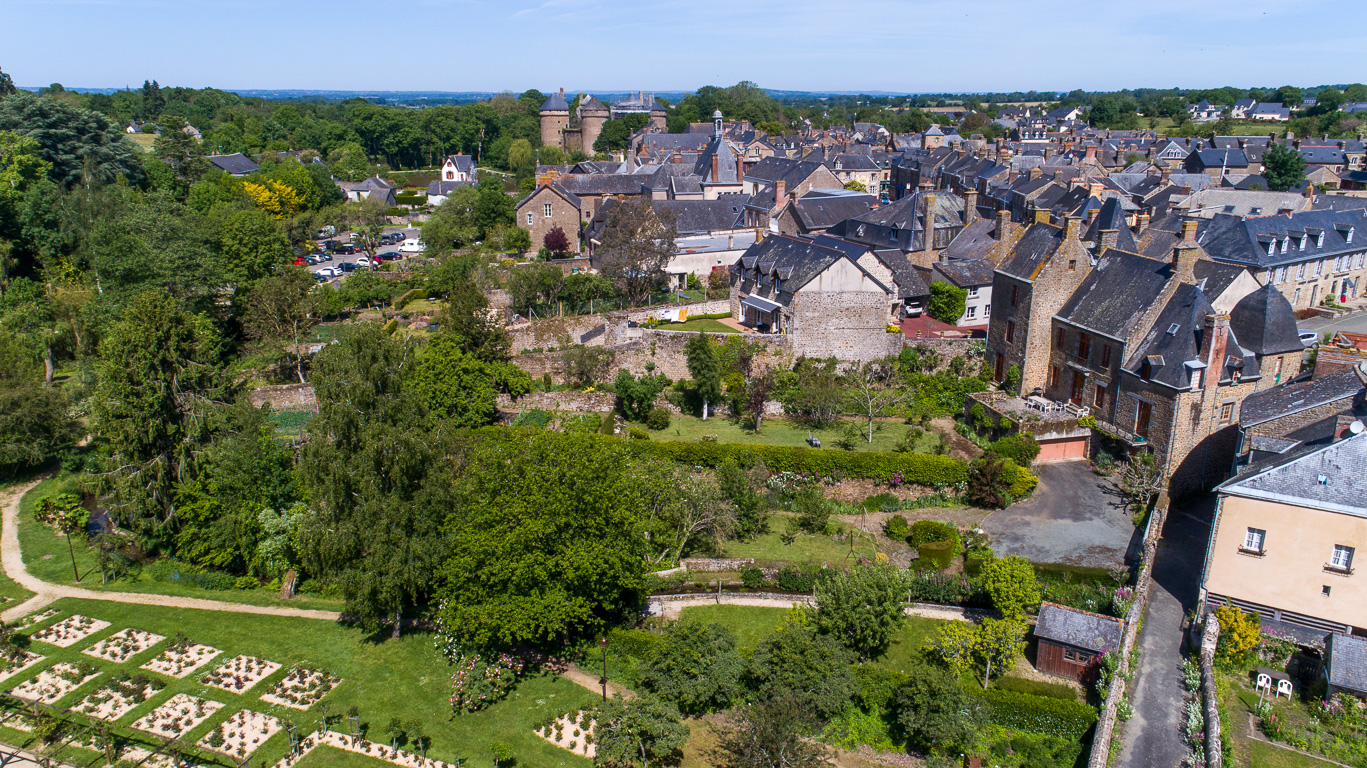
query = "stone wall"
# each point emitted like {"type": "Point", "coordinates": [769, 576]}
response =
{"type": "Point", "coordinates": [1284, 425]}
{"type": "Point", "coordinates": [286, 397]}
{"type": "Point", "coordinates": [1210, 697]}
{"type": "Point", "coordinates": [848, 325]}
{"type": "Point", "coordinates": [572, 402]}
{"type": "Point", "coordinates": [716, 564]}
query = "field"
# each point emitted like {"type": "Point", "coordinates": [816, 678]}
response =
{"type": "Point", "coordinates": [749, 623]}
{"type": "Point", "coordinates": [887, 434]}
{"type": "Point", "coordinates": [383, 678]}
{"type": "Point", "coordinates": [47, 557]}
{"type": "Point", "coordinates": [143, 141]}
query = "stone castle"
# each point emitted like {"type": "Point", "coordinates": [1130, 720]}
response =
{"type": "Point", "coordinates": [579, 131]}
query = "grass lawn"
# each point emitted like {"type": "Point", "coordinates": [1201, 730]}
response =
{"type": "Point", "coordinates": [46, 555]}
{"type": "Point", "coordinates": [769, 548]}
{"type": "Point", "coordinates": [384, 678]}
{"type": "Point", "coordinates": [905, 652]}
{"type": "Point", "coordinates": [749, 623]}
{"type": "Point", "coordinates": [706, 324]}
{"type": "Point", "coordinates": [886, 435]}
{"type": "Point", "coordinates": [144, 141]}
{"type": "Point", "coordinates": [331, 757]}
{"type": "Point", "coordinates": [418, 306]}
{"type": "Point", "coordinates": [1263, 755]}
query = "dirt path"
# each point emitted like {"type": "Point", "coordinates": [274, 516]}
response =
{"type": "Point", "coordinates": [960, 447]}
{"type": "Point", "coordinates": [12, 560]}
{"type": "Point", "coordinates": [673, 608]}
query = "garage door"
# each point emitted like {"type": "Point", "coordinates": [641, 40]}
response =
{"type": "Point", "coordinates": [1063, 449]}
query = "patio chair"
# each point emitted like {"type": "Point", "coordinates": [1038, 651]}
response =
{"type": "Point", "coordinates": [1264, 681]}
{"type": "Point", "coordinates": [1284, 687]}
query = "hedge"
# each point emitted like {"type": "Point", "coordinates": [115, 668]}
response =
{"type": "Point", "coordinates": [926, 531]}
{"type": "Point", "coordinates": [1038, 714]}
{"type": "Point", "coordinates": [1022, 449]}
{"type": "Point", "coordinates": [1037, 688]}
{"type": "Point", "coordinates": [909, 468]}
{"type": "Point", "coordinates": [936, 554]}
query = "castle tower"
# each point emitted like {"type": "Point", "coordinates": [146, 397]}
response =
{"type": "Point", "coordinates": [657, 116]}
{"type": "Point", "coordinates": [592, 114]}
{"type": "Point", "coordinates": [555, 117]}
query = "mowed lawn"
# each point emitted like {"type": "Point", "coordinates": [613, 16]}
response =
{"type": "Point", "coordinates": [1264, 755]}
{"type": "Point", "coordinates": [770, 549]}
{"type": "Point", "coordinates": [887, 434]}
{"type": "Point", "coordinates": [751, 624]}
{"type": "Point", "coordinates": [705, 324]}
{"type": "Point", "coordinates": [48, 557]}
{"type": "Point", "coordinates": [382, 677]}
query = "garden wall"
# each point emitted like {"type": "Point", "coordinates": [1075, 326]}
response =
{"type": "Point", "coordinates": [643, 350]}
{"type": "Point", "coordinates": [1210, 698]}
{"type": "Point", "coordinates": [285, 397]}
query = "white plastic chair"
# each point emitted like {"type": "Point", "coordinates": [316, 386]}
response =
{"type": "Point", "coordinates": [1284, 686]}
{"type": "Point", "coordinates": [1264, 681]}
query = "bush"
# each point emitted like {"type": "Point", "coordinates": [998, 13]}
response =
{"type": "Point", "coordinates": [216, 581]}
{"type": "Point", "coordinates": [245, 582]}
{"type": "Point", "coordinates": [1022, 449]}
{"type": "Point", "coordinates": [936, 587]}
{"type": "Point", "coordinates": [657, 419]}
{"type": "Point", "coordinates": [1023, 481]}
{"type": "Point", "coordinates": [926, 531]}
{"type": "Point", "coordinates": [639, 434]}
{"type": "Point", "coordinates": [896, 528]}
{"type": "Point", "coordinates": [533, 418]}
{"type": "Point", "coordinates": [1037, 714]}
{"type": "Point", "coordinates": [797, 579]}
{"type": "Point", "coordinates": [936, 554]}
{"type": "Point", "coordinates": [1036, 688]}
{"type": "Point", "coordinates": [636, 643]}
{"type": "Point", "coordinates": [751, 577]}
{"type": "Point", "coordinates": [883, 502]}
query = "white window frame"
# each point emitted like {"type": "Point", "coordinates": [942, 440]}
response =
{"type": "Point", "coordinates": [531, 218]}
{"type": "Point", "coordinates": [1342, 557]}
{"type": "Point", "coordinates": [1357, 261]}
{"type": "Point", "coordinates": [1280, 276]}
{"type": "Point", "coordinates": [1319, 267]}
{"type": "Point", "coordinates": [970, 313]}
{"type": "Point", "coordinates": [972, 293]}
{"type": "Point", "coordinates": [1300, 270]}
{"type": "Point", "coordinates": [546, 210]}
{"type": "Point", "coordinates": [1254, 539]}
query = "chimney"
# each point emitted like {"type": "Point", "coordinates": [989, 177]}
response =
{"type": "Point", "coordinates": [1003, 223]}
{"type": "Point", "coordinates": [1165, 174]}
{"type": "Point", "coordinates": [730, 241]}
{"type": "Point", "coordinates": [1189, 230]}
{"type": "Point", "coordinates": [676, 159]}
{"type": "Point", "coordinates": [780, 191]}
{"type": "Point", "coordinates": [716, 175]}
{"type": "Point", "coordinates": [1035, 173]}
{"type": "Point", "coordinates": [1343, 425]}
{"type": "Point", "coordinates": [970, 206]}
{"type": "Point", "coordinates": [1310, 191]}
{"type": "Point", "coordinates": [1041, 215]}
{"type": "Point", "coordinates": [928, 223]}
{"type": "Point", "coordinates": [1142, 224]}
{"type": "Point", "coordinates": [1072, 227]}
{"type": "Point", "coordinates": [1213, 342]}
{"type": "Point", "coordinates": [1107, 240]}
{"type": "Point", "coordinates": [1272, 137]}
{"type": "Point", "coordinates": [1090, 159]}
{"type": "Point", "coordinates": [1184, 263]}
{"type": "Point", "coordinates": [1091, 216]}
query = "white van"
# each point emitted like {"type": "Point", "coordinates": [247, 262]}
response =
{"type": "Point", "coordinates": [412, 245]}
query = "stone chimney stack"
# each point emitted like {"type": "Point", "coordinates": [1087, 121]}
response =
{"type": "Point", "coordinates": [1072, 227]}
{"type": "Point", "coordinates": [928, 223]}
{"type": "Point", "coordinates": [780, 191]}
{"type": "Point", "coordinates": [1141, 224]}
{"type": "Point", "coordinates": [1003, 223]}
{"type": "Point", "coordinates": [1107, 240]}
{"type": "Point", "coordinates": [1035, 173]}
{"type": "Point", "coordinates": [1184, 263]}
{"type": "Point", "coordinates": [716, 173]}
{"type": "Point", "coordinates": [1041, 215]}
{"type": "Point", "coordinates": [970, 206]}
{"type": "Point", "coordinates": [1189, 231]}
{"type": "Point", "coordinates": [1213, 341]}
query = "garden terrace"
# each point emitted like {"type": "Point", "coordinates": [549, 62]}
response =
{"type": "Point", "coordinates": [240, 673]}
{"type": "Point", "coordinates": [11, 667]}
{"type": "Point", "coordinates": [1037, 416]}
{"type": "Point", "coordinates": [69, 631]}
{"type": "Point", "coordinates": [117, 698]}
{"type": "Point", "coordinates": [572, 732]}
{"type": "Point", "coordinates": [301, 688]}
{"type": "Point", "coordinates": [241, 734]}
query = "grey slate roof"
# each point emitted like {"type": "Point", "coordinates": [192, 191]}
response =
{"type": "Point", "coordinates": [1175, 339]}
{"type": "Point", "coordinates": [1114, 295]}
{"type": "Point", "coordinates": [797, 261]}
{"type": "Point", "coordinates": [1346, 661]}
{"type": "Point", "coordinates": [1080, 629]}
{"type": "Point", "coordinates": [1298, 396]}
{"type": "Point", "coordinates": [1264, 322]}
{"type": "Point", "coordinates": [236, 164]}
{"type": "Point", "coordinates": [1244, 241]}
{"type": "Point", "coordinates": [966, 273]}
{"type": "Point", "coordinates": [973, 241]}
{"type": "Point", "coordinates": [1331, 477]}
{"type": "Point", "coordinates": [906, 280]}
{"type": "Point", "coordinates": [702, 216]}
{"type": "Point", "coordinates": [1112, 217]}
{"type": "Point", "coordinates": [824, 211]}
{"type": "Point", "coordinates": [446, 187]}
{"type": "Point", "coordinates": [1035, 247]}
{"type": "Point", "coordinates": [555, 103]}
{"type": "Point", "coordinates": [603, 183]}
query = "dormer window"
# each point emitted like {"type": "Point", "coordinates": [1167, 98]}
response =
{"type": "Point", "coordinates": [1146, 370]}
{"type": "Point", "coordinates": [1285, 243]}
{"type": "Point", "coordinates": [1172, 329]}
{"type": "Point", "coordinates": [1301, 242]}
{"type": "Point", "coordinates": [1319, 240]}
{"type": "Point", "coordinates": [1348, 238]}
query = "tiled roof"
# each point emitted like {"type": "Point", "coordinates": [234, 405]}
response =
{"type": "Point", "coordinates": [1035, 247]}
{"type": "Point", "coordinates": [1114, 295]}
{"type": "Point", "coordinates": [1331, 477]}
{"type": "Point", "coordinates": [1245, 241]}
{"type": "Point", "coordinates": [1080, 629]}
{"type": "Point", "coordinates": [1347, 662]}
{"type": "Point", "coordinates": [236, 164]}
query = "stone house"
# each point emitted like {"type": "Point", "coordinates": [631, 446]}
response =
{"type": "Point", "coordinates": [974, 276]}
{"type": "Point", "coordinates": [548, 207]}
{"type": "Point", "coordinates": [776, 181]}
{"type": "Point", "coordinates": [859, 168]}
{"type": "Point", "coordinates": [458, 168]}
{"type": "Point", "coordinates": [820, 209]}
{"type": "Point", "coordinates": [903, 225]}
{"type": "Point", "coordinates": [1274, 421]}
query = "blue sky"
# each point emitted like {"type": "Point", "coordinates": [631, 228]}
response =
{"type": "Point", "coordinates": [607, 45]}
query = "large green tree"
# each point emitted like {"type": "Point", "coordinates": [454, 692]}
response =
{"type": "Point", "coordinates": [546, 539]}
{"type": "Point", "coordinates": [698, 667]}
{"type": "Point", "coordinates": [862, 608]}
{"type": "Point", "coordinates": [935, 712]}
{"type": "Point", "coordinates": [637, 244]}
{"type": "Point", "coordinates": [461, 388]}
{"type": "Point", "coordinates": [641, 731]}
{"type": "Point", "coordinates": [812, 667]}
{"type": "Point", "coordinates": [252, 246]}
{"type": "Point", "coordinates": [704, 365]}
{"type": "Point", "coordinates": [69, 136]}
{"type": "Point", "coordinates": [771, 733]}
{"type": "Point", "coordinates": [279, 311]}
{"type": "Point", "coordinates": [1283, 167]}
{"type": "Point", "coordinates": [34, 424]}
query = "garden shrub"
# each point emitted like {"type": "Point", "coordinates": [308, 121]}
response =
{"type": "Point", "coordinates": [912, 469]}
{"type": "Point", "coordinates": [896, 528]}
{"type": "Point", "coordinates": [936, 554]}
{"type": "Point", "coordinates": [883, 502]}
{"type": "Point", "coordinates": [657, 419]}
{"type": "Point", "coordinates": [1037, 714]}
{"type": "Point", "coordinates": [877, 686]}
{"type": "Point", "coordinates": [752, 577]}
{"type": "Point", "coordinates": [973, 563]}
{"type": "Point", "coordinates": [1022, 449]}
{"type": "Point", "coordinates": [795, 578]}
{"type": "Point", "coordinates": [533, 418]}
{"type": "Point", "coordinates": [480, 681]}
{"type": "Point", "coordinates": [172, 570]}
{"type": "Point", "coordinates": [1036, 688]}
{"type": "Point", "coordinates": [942, 588]}
{"type": "Point", "coordinates": [926, 531]}
{"type": "Point", "coordinates": [1022, 483]}
{"type": "Point", "coordinates": [636, 643]}
{"type": "Point", "coordinates": [639, 434]}
{"type": "Point", "coordinates": [245, 582]}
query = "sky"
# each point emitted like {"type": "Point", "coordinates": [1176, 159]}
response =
{"type": "Point", "coordinates": [900, 46]}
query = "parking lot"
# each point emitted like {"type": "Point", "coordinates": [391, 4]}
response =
{"type": "Point", "coordinates": [332, 270]}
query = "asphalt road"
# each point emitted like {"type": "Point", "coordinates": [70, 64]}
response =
{"type": "Point", "coordinates": [1353, 323]}
{"type": "Point", "coordinates": [344, 237]}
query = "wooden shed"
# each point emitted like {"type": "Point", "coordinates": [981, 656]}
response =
{"type": "Point", "coordinates": [1070, 640]}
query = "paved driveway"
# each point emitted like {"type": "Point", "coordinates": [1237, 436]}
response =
{"type": "Point", "coordinates": [1074, 517]}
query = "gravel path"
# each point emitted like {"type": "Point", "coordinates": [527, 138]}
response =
{"type": "Point", "coordinates": [672, 608]}
{"type": "Point", "coordinates": [45, 593]}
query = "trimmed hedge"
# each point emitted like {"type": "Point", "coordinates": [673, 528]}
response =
{"type": "Point", "coordinates": [937, 554]}
{"type": "Point", "coordinates": [1038, 714]}
{"type": "Point", "coordinates": [1022, 449]}
{"type": "Point", "coordinates": [1037, 688]}
{"type": "Point", "coordinates": [913, 468]}
{"type": "Point", "coordinates": [926, 531]}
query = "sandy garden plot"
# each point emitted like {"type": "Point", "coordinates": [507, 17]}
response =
{"type": "Point", "coordinates": [39, 618]}
{"type": "Point", "coordinates": [363, 747]}
{"type": "Point", "coordinates": [117, 697]}
{"type": "Point", "coordinates": [11, 667]}
{"type": "Point", "coordinates": [239, 673]}
{"type": "Point", "coordinates": [124, 645]}
{"type": "Point", "coordinates": [69, 631]}
{"type": "Point", "coordinates": [181, 658]}
{"type": "Point", "coordinates": [241, 733]}
{"type": "Point", "coordinates": [179, 714]}
{"type": "Point", "coordinates": [54, 683]}
{"type": "Point", "coordinates": [301, 688]}
{"type": "Point", "coordinates": [573, 732]}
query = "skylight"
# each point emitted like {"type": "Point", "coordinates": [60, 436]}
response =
{"type": "Point", "coordinates": [1172, 329]}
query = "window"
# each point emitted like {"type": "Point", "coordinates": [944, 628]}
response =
{"type": "Point", "coordinates": [1226, 412]}
{"type": "Point", "coordinates": [1076, 657]}
{"type": "Point", "coordinates": [1053, 375]}
{"type": "Point", "coordinates": [1196, 379]}
{"type": "Point", "coordinates": [1281, 275]}
{"type": "Point", "coordinates": [1253, 539]}
{"type": "Point", "coordinates": [1296, 297]}
{"type": "Point", "coordinates": [1319, 267]}
{"type": "Point", "coordinates": [1324, 590]}
{"type": "Point", "coordinates": [1015, 294]}
{"type": "Point", "coordinates": [1300, 242]}
{"type": "Point", "coordinates": [971, 312]}
{"type": "Point", "coordinates": [1300, 270]}
{"type": "Point", "coordinates": [529, 219]}
{"type": "Point", "coordinates": [546, 209]}
{"type": "Point", "coordinates": [1100, 400]}
{"type": "Point", "coordinates": [1146, 370]}
{"type": "Point", "coordinates": [1105, 355]}
{"type": "Point", "coordinates": [1072, 265]}
{"type": "Point", "coordinates": [972, 293]}
{"type": "Point", "coordinates": [1010, 331]}
{"type": "Point", "coordinates": [1319, 239]}
{"type": "Point", "coordinates": [1285, 243]}
{"type": "Point", "coordinates": [1062, 337]}
{"type": "Point", "coordinates": [1342, 558]}
{"type": "Point", "coordinates": [1357, 261]}
{"type": "Point", "coordinates": [1084, 346]}
{"type": "Point", "coordinates": [987, 310]}
{"type": "Point", "coordinates": [1337, 261]}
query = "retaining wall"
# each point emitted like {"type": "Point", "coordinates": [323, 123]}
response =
{"type": "Point", "coordinates": [285, 397]}
{"type": "Point", "coordinates": [1210, 698]}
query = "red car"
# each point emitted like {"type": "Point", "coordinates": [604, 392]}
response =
{"type": "Point", "coordinates": [301, 262]}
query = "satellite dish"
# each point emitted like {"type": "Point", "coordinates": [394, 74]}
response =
{"type": "Point", "coordinates": [1356, 427]}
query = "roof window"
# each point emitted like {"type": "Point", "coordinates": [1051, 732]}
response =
{"type": "Point", "coordinates": [1322, 479]}
{"type": "Point", "coordinates": [1172, 329]}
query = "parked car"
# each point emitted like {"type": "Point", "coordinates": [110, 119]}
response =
{"type": "Point", "coordinates": [328, 272]}
{"type": "Point", "coordinates": [362, 261]}
{"type": "Point", "coordinates": [387, 256]}
{"type": "Point", "coordinates": [325, 233]}
{"type": "Point", "coordinates": [346, 266]}
{"type": "Point", "coordinates": [1309, 338]}
{"type": "Point", "coordinates": [300, 261]}
{"type": "Point", "coordinates": [325, 256]}
{"type": "Point", "coordinates": [411, 245]}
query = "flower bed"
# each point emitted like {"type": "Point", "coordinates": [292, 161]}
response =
{"type": "Point", "coordinates": [69, 631]}
{"type": "Point", "coordinates": [479, 682]}
{"type": "Point", "coordinates": [573, 732]}
{"type": "Point", "coordinates": [124, 645]}
{"type": "Point", "coordinates": [179, 714]}
{"type": "Point", "coordinates": [119, 696]}
{"type": "Point", "coordinates": [240, 673]}
{"type": "Point", "coordinates": [11, 667]}
{"type": "Point", "coordinates": [38, 618]}
{"type": "Point", "coordinates": [301, 688]}
{"type": "Point", "coordinates": [54, 683]}
{"type": "Point", "coordinates": [181, 658]}
{"type": "Point", "coordinates": [241, 734]}
{"type": "Point", "coordinates": [363, 747]}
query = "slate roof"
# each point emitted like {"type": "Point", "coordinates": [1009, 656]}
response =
{"type": "Point", "coordinates": [558, 189]}
{"type": "Point", "coordinates": [593, 103]}
{"type": "Point", "coordinates": [700, 216]}
{"type": "Point", "coordinates": [236, 164]}
{"type": "Point", "coordinates": [1220, 158]}
{"type": "Point", "coordinates": [1244, 241]}
{"type": "Point", "coordinates": [1346, 658]}
{"type": "Point", "coordinates": [445, 188]}
{"type": "Point", "coordinates": [1331, 477]}
{"type": "Point", "coordinates": [463, 163]}
{"type": "Point", "coordinates": [1323, 155]}
{"type": "Point", "coordinates": [824, 211]}
{"type": "Point", "coordinates": [966, 273]}
{"type": "Point", "coordinates": [555, 103]}
{"type": "Point", "coordinates": [1114, 295]}
{"type": "Point", "coordinates": [1035, 247]}
{"type": "Point", "coordinates": [899, 224]}
{"type": "Point", "coordinates": [1080, 629]}
{"type": "Point", "coordinates": [1175, 339]}
{"type": "Point", "coordinates": [973, 241]}
{"type": "Point", "coordinates": [1264, 323]}
{"type": "Point", "coordinates": [1112, 217]}
{"type": "Point", "coordinates": [603, 183]}
{"type": "Point", "coordinates": [797, 261]}
{"type": "Point", "coordinates": [1298, 396]}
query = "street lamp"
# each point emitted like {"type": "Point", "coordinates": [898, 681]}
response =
{"type": "Point", "coordinates": [604, 643]}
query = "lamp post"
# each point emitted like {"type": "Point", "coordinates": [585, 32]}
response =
{"type": "Point", "coordinates": [604, 643]}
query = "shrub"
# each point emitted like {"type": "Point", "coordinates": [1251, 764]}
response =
{"type": "Point", "coordinates": [245, 582]}
{"type": "Point", "coordinates": [926, 531]}
{"type": "Point", "coordinates": [882, 502]}
{"type": "Point", "coordinates": [1010, 582]}
{"type": "Point", "coordinates": [1037, 688]}
{"type": "Point", "coordinates": [639, 434]}
{"type": "Point", "coordinates": [1037, 714]}
{"type": "Point", "coordinates": [751, 577]}
{"type": "Point", "coordinates": [657, 419]}
{"type": "Point", "coordinates": [989, 481]}
{"type": "Point", "coordinates": [1023, 483]}
{"type": "Point", "coordinates": [795, 578]}
{"type": "Point", "coordinates": [636, 643]}
{"type": "Point", "coordinates": [877, 686]}
{"type": "Point", "coordinates": [1022, 449]}
{"type": "Point", "coordinates": [533, 418]}
{"type": "Point", "coordinates": [936, 554]}
{"type": "Point", "coordinates": [936, 587]}
{"type": "Point", "coordinates": [896, 528]}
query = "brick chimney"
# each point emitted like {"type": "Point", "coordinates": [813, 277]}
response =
{"type": "Point", "coordinates": [716, 173]}
{"type": "Point", "coordinates": [1184, 263]}
{"type": "Point", "coordinates": [928, 223]}
{"type": "Point", "coordinates": [970, 206]}
{"type": "Point", "coordinates": [1189, 230]}
{"type": "Point", "coordinates": [1090, 158]}
{"type": "Point", "coordinates": [1035, 173]}
{"type": "Point", "coordinates": [1041, 215]}
{"type": "Point", "coordinates": [1343, 425]}
{"type": "Point", "coordinates": [1141, 224]}
{"type": "Point", "coordinates": [1165, 174]}
{"type": "Point", "coordinates": [1003, 223]}
{"type": "Point", "coordinates": [780, 191]}
{"type": "Point", "coordinates": [1213, 342]}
